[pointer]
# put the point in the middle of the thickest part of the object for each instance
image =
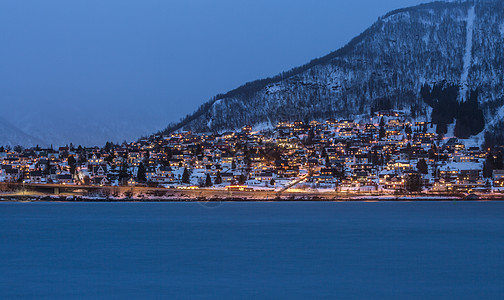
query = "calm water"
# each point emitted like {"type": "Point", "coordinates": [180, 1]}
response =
{"type": "Point", "coordinates": [414, 250]}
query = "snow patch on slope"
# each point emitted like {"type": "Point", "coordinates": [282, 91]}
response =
{"type": "Point", "coordinates": [450, 133]}
{"type": "Point", "coordinates": [216, 105]}
{"type": "Point", "coordinates": [468, 53]}
{"type": "Point", "coordinates": [274, 88]}
{"type": "Point", "coordinates": [426, 39]}
{"type": "Point", "coordinates": [473, 141]}
{"type": "Point", "coordinates": [263, 126]}
{"type": "Point", "coordinates": [476, 140]}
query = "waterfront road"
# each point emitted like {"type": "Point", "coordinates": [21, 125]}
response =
{"type": "Point", "coordinates": [208, 194]}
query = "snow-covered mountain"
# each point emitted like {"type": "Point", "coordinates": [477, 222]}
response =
{"type": "Point", "coordinates": [29, 128]}
{"type": "Point", "coordinates": [441, 43]}
{"type": "Point", "coordinates": [12, 136]}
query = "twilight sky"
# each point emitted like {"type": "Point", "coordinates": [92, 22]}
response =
{"type": "Point", "coordinates": [156, 60]}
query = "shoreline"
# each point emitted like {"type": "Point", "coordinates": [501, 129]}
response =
{"type": "Point", "coordinates": [71, 193]}
{"type": "Point", "coordinates": [402, 198]}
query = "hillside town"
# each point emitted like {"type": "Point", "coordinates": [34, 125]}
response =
{"type": "Point", "coordinates": [386, 153]}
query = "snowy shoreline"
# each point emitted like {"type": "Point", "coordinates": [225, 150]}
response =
{"type": "Point", "coordinates": [312, 198]}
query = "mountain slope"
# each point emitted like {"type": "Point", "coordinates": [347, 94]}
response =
{"type": "Point", "coordinates": [442, 42]}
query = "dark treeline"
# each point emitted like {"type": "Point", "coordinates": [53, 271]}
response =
{"type": "Point", "coordinates": [493, 161]}
{"type": "Point", "coordinates": [381, 104]}
{"type": "Point", "coordinates": [470, 119]}
{"type": "Point", "coordinates": [494, 136]}
{"type": "Point", "coordinates": [446, 109]}
{"type": "Point", "coordinates": [443, 100]}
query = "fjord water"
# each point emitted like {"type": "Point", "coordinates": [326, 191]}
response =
{"type": "Point", "coordinates": [294, 250]}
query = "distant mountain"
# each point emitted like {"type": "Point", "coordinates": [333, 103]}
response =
{"type": "Point", "coordinates": [12, 136]}
{"type": "Point", "coordinates": [436, 45]}
{"type": "Point", "coordinates": [29, 128]}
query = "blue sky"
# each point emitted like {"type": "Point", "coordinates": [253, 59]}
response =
{"type": "Point", "coordinates": [159, 60]}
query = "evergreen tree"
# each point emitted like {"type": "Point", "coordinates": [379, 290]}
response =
{"type": "Point", "coordinates": [141, 177]}
{"type": "Point", "coordinates": [218, 178]}
{"type": "Point", "coordinates": [441, 128]}
{"type": "Point", "coordinates": [47, 167]}
{"type": "Point", "coordinates": [409, 150]}
{"type": "Point", "coordinates": [422, 166]}
{"type": "Point", "coordinates": [323, 153]}
{"type": "Point", "coordinates": [82, 156]}
{"type": "Point", "coordinates": [186, 177]}
{"type": "Point", "coordinates": [413, 182]}
{"type": "Point", "coordinates": [408, 130]}
{"type": "Point", "coordinates": [499, 163]}
{"type": "Point", "coordinates": [108, 147]}
{"type": "Point", "coordinates": [382, 132]}
{"type": "Point", "coordinates": [242, 179]}
{"type": "Point", "coordinates": [375, 158]}
{"type": "Point", "coordinates": [208, 181]}
{"type": "Point", "coordinates": [382, 122]}
{"type": "Point", "coordinates": [72, 164]}
{"type": "Point", "coordinates": [272, 182]}
{"type": "Point", "coordinates": [311, 135]}
{"type": "Point", "coordinates": [489, 166]}
{"type": "Point", "coordinates": [110, 158]}
{"type": "Point", "coordinates": [123, 172]}
{"type": "Point", "coordinates": [199, 150]}
{"type": "Point", "coordinates": [146, 158]}
{"type": "Point", "coordinates": [435, 172]}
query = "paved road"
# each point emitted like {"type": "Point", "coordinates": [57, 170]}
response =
{"type": "Point", "coordinates": [139, 192]}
